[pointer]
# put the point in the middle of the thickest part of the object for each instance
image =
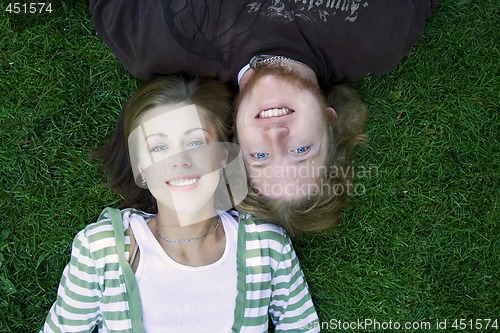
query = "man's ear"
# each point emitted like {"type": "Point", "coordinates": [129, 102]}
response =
{"type": "Point", "coordinates": [331, 115]}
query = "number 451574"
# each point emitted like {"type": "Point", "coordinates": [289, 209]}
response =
{"type": "Point", "coordinates": [28, 8]}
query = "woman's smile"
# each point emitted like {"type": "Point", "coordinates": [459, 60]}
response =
{"type": "Point", "coordinates": [183, 184]}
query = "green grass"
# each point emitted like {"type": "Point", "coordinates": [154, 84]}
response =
{"type": "Point", "coordinates": [421, 242]}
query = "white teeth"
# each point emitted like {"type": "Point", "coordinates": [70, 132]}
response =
{"type": "Point", "coordinates": [182, 182]}
{"type": "Point", "coordinates": [274, 113]}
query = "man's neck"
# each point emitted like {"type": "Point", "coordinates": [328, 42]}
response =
{"type": "Point", "coordinates": [303, 70]}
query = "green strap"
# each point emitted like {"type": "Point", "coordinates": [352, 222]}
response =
{"type": "Point", "coordinates": [135, 308]}
{"type": "Point", "coordinates": [239, 310]}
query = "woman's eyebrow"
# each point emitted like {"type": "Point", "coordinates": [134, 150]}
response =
{"type": "Point", "coordinates": [161, 134]}
{"type": "Point", "coordinates": [164, 135]}
{"type": "Point", "coordinates": [195, 129]}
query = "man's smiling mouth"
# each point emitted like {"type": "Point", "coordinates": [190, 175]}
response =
{"type": "Point", "coordinates": [275, 112]}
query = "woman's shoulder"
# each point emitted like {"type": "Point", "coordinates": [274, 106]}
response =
{"type": "Point", "coordinates": [259, 224]}
{"type": "Point", "coordinates": [103, 226]}
{"type": "Point", "coordinates": [260, 229]}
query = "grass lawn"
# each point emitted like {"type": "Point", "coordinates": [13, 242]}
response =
{"type": "Point", "coordinates": [420, 242]}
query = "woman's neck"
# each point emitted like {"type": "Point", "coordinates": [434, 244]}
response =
{"type": "Point", "coordinates": [173, 218]}
{"type": "Point", "coordinates": [202, 242]}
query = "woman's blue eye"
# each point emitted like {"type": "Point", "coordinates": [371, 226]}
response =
{"type": "Point", "coordinates": [159, 148]}
{"type": "Point", "coordinates": [196, 143]}
{"type": "Point", "coordinates": [301, 150]}
{"type": "Point", "coordinates": [260, 156]}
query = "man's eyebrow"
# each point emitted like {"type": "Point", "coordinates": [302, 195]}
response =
{"type": "Point", "coordinates": [258, 165]}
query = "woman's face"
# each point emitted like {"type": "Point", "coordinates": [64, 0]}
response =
{"type": "Point", "coordinates": [175, 150]}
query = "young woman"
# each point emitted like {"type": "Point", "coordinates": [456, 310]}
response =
{"type": "Point", "coordinates": [174, 261]}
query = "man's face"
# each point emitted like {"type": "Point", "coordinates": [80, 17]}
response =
{"type": "Point", "coordinates": [282, 126]}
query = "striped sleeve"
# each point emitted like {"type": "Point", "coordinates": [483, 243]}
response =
{"type": "Point", "coordinates": [271, 282]}
{"type": "Point", "coordinates": [291, 308]}
{"type": "Point", "coordinates": [76, 308]}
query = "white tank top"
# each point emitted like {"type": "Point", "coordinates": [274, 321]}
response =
{"type": "Point", "coordinates": [178, 298]}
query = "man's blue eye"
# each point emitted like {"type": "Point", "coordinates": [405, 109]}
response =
{"type": "Point", "coordinates": [301, 150]}
{"type": "Point", "coordinates": [260, 156]}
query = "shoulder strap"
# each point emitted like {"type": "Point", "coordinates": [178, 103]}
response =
{"type": "Point", "coordinates": [134, 304]}
{"type": "Point", "coordinates": [241, 302]}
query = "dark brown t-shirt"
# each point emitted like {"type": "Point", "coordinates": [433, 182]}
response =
{"type": "Point", "coordinates": [338, 39]}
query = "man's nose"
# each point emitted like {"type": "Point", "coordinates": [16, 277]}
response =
{"type": "Point", "coordinates": [276, 134]}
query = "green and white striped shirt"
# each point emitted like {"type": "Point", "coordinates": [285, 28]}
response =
{"type": "Point", "coordinates": [98, 287]}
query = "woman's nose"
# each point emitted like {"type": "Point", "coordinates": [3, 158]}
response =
{"type": "Point", "coordinates": [180, 159]}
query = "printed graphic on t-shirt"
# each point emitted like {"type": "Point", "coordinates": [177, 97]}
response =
{"type": "Point", "coordinates": [308, 10]}
{"type": "Point", "coordinates": [209, 28]}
